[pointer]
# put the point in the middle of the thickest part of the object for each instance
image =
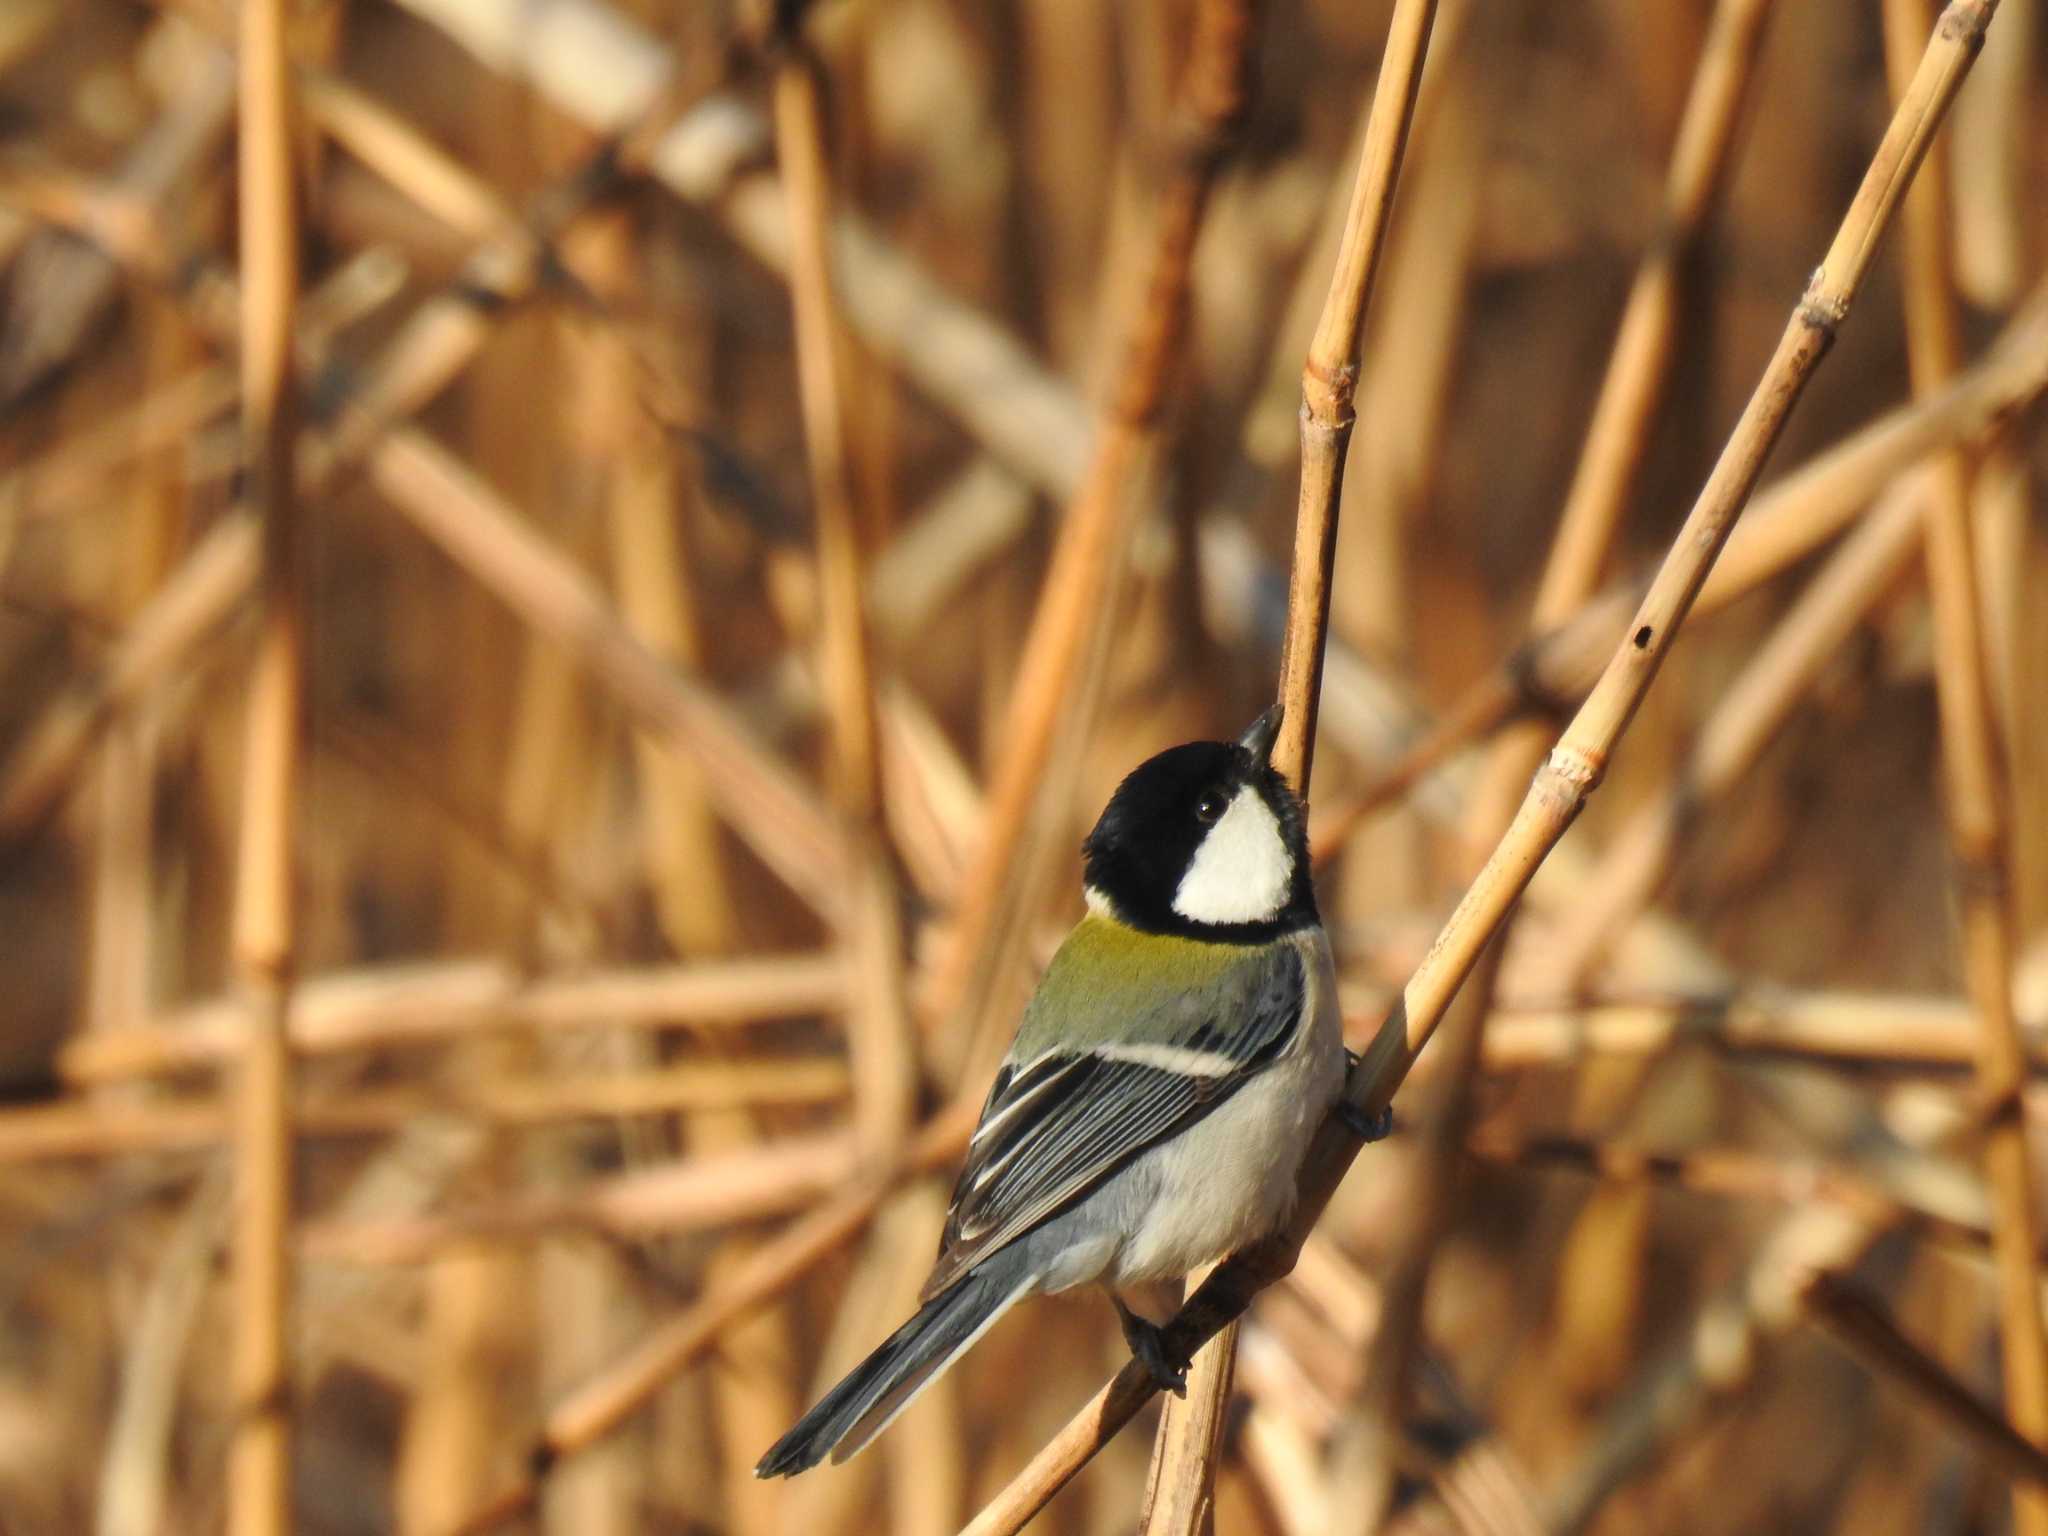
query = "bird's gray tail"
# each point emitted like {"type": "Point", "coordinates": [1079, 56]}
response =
{"type": "Point", "coordinates": [881, 1386]}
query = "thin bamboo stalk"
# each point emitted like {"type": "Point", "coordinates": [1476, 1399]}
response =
{"type": "Point", "coordinates": [1974, 795]}
{"type": "Point", "coordinates": [1181, 1490]}
{"type": "Point", "coordinates": [259, 1478]}
{"type": "Point", "coordinates": [1574, 767]}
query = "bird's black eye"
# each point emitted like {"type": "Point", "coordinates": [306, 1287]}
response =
{"type": "Point", "coordinates": [1211, 806]}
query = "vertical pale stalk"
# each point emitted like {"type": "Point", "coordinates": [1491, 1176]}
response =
{"type": "Point", "coordinates": [1974, 798]}
{"type": "Point", "coordinates": [1181, 1490]}
{"type": "Point", "coordinates": [260, 1455]}
{"type": "Point", "coordinates": [1573, 769]}
{"type": "Point", "coordinates": [1330, 377]}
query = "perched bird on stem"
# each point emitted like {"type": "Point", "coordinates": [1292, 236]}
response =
{"type": "Point", "coordinates": [1153, 1111]}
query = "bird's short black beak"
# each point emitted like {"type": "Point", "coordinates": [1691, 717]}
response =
{"type": "Point", "coordinates": [1259, 736]}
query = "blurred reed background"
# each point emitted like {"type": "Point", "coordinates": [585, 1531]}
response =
{"type": "Point", "coordinates": [689, 669]}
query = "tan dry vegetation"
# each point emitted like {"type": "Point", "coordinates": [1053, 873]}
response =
{"type": "Point", "coordinates": [574, 572]}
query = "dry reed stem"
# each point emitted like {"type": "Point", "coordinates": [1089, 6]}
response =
{"type": "Point", "coordinates": [1330, 376]}
{"type": "Point", "coordinates": [1855, 1320]}
{"type": "Point", "coordinates": [1181, 1489]}
{"type": "Point", "coordinates": [1575, 765]}
{"type": "Point", "coordinates": [433, 1002]}
{"type": "Point", "coordinates": [1861, 574]}
{"type": "Point", "coordinates": [1974, 798]}
{"type": "Point", "coordinates": [1073, 609]}
{"type": "Point", "coordinates": [259, 1476]}
{"type": "Point", "coordinates": [881, 1035]}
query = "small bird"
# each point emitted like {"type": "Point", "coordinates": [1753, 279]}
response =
{"type": "Point", "coordinates": [1167, 1075]}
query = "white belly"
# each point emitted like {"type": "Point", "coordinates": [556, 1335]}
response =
{"type": "Point", "coordinates": [1229, 1179]}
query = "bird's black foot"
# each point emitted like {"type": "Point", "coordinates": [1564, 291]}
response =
{"type": "Point", "coordinates": [1365, 1127]}
{"type": "Point", "coordinates": [1148, 1348]}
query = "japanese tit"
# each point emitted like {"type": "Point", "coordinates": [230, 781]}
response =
{"type": "Point", "coordinates": [1165, 1080]}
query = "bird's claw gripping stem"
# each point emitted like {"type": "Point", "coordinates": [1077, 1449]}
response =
{"type": "Point", "coordinates": [1365, 1127]}
{"type": "Point", "coordinates": [1148, 1347]}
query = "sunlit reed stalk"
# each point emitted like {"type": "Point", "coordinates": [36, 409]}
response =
{"type": "Point", "coordinates": [265, 921]}
{"type": "Point", "coordinates": [1181, 1489]}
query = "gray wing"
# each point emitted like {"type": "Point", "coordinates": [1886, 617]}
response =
{"type": "Point", "coordinates": [1056, 1126]}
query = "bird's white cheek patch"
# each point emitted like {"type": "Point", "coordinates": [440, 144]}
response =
{"type": "Point", "coordinates": [1242, 872]}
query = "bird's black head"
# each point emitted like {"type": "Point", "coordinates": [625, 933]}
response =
{"type": "Point", "coordinates": [1205, 840]}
